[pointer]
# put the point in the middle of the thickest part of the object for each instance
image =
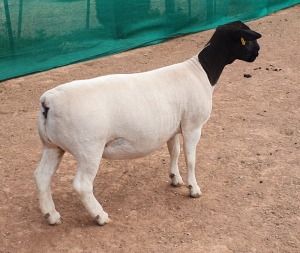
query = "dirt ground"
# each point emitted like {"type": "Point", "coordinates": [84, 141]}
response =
{"type": "Point", "coordinates": [248, 161]}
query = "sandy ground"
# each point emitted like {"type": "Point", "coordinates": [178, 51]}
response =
{"type": "Point", "coordinates": [248, 161]}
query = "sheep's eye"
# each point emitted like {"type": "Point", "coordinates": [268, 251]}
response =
{"type": "Point", "coordinates": [243, 41]}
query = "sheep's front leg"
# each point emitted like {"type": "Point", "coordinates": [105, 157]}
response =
{"type": "Point", "coordinates": [190, 141]}
{"type": "Point", "coordinates": [43, 174]}
{"type": "Point", "coordinates": [174, 150]}
{"type": "Point", "coordinates": [83, 184]}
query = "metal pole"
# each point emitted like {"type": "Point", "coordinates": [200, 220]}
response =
{"type": "Point", "coordinates": [169, 6]}
{"type": "Point", "coordinates": [20, 18]}
{"type": "Point", "coordinates": [8, 26]}
{"type": "Point", "coordinates": [88, 11]}
{"type": "Point", "coordinates": [211, 9]}
{"type": "Point", "coordinates": [190, 8]}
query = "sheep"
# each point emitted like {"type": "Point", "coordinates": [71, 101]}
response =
{"type": "Point", "coordinates": [126, 116]}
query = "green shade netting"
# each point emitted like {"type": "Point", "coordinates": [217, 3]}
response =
{"type": "Point", "coordinates": [37, 35]}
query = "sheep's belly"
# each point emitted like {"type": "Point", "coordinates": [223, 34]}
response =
{"type": "Point", "coordinates": [120, 148]}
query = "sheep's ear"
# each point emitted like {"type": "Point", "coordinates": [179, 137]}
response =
{"type": "Point", "coordinates": [249, 35]}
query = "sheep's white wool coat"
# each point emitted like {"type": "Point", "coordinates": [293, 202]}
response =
{"type": "Point", "coordinates": [130, 115]}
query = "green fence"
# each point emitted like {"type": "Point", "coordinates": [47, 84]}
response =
{"type": "Point", "coordinates": [37, 35]}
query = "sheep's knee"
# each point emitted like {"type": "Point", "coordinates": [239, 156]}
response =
{"type": "Point", "coordinates": [82, 187]}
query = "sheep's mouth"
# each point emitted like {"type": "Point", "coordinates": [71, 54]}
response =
{"type": "Point", "coordinates": [252, 57]}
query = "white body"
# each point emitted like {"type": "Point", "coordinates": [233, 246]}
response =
{"type": "Point", "coordinates": [122, 117]}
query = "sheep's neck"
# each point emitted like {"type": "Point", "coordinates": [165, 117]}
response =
{"type": "Point", "coordinates": [213, 61]}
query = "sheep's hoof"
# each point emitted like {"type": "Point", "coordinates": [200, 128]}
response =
{"type": "Point", "coordinates": [58, 222]}
{"type": "Point", "coordinates": [195, 193]}
{"type": "Point", "coordinates": [176, 182]}
{"type": "Point", "coordinates": [54, 219]}
{"type": "Point", "coordinates": [104, 221]}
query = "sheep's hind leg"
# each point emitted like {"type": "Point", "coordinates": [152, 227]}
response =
{"type": "Point", "coordinates": [49, 163]}
{"type": "Point", "coordinates": [174, 150]}
{"type": "Point", "coordinates": [88, 163]}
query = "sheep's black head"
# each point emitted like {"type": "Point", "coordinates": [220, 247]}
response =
{"type": "Point", "coordinates": [230, 42]}
{"type": "Point", "coordinates": [239, 39]}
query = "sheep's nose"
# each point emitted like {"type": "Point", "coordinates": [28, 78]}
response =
{"type": "Point", "coordinates": [257, 47]}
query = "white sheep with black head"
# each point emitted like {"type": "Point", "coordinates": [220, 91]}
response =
{"type": "Point", "coordinates": [131, 115]}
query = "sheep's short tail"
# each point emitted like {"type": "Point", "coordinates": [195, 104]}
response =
{"type": "Point", "coordinates": [43, 119]}
{"type": "Point", "coordinates": [46, 109]}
